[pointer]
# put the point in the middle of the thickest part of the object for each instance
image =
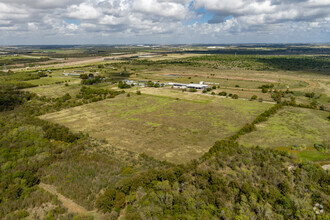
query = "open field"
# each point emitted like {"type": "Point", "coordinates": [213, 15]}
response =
{"type": "Point", "coordinates": [55, 90]}
{"type": "Point", "coordinates": [52, 80]}
{"type": "Point", "coordinates": [293, 127]}
{"type": "Point", "coordinates": [163, 127]}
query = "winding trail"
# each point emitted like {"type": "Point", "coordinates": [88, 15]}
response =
{"type": "Point", "coordinates": [68, 203]}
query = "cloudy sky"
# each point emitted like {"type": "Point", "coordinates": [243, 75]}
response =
{"type": "Point", "coordinates": [163, 21]}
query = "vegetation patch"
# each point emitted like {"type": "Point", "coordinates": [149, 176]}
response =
{"type": "Point", "coordinates": [292, 127]}
{"type": "Point", "coordinates": [126, 121]}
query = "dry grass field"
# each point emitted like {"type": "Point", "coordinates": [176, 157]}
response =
{"type": "Point", "coordinates": [167, 128]}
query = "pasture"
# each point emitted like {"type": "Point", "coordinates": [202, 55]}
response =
{"type": "Point", "coordinates": [293, 127]}
{"type": "Point", "coordinates": [166, 128]}
{"type": "Point", "coordinates": [55, 90]}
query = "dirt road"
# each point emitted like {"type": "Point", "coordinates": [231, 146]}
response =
{"type": "Point", "coordinates": [83, 61]}
{"type": "Point", "coordinates": [68, 203]}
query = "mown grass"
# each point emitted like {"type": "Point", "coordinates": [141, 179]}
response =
{"type": "Point", "coordinates": [163, 127]}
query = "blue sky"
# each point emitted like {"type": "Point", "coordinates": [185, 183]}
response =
{"type": "Point", "coordinates": [72, 21]}
{"type": "Point", "coordinates": [203, 16]}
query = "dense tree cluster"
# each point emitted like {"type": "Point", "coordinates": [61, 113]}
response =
{"type": "Point", "coordinates": [262, 63]}
{"type": "Point", "coordinates": [92, 94]}
{"type": "Point", "coordinates": [91, 81]}
{"type": "Point", "coordinates": [20, 60]}
{"type": "Point", "coordinates": [154, 84]}
{"type": "Point", "coordinates": [26, 146]}
{"type": "Point", "coordinates": [11, 97]}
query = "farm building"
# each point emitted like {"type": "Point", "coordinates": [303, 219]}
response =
{"type": "Point", "coordinates": [128, 82]}
{"type": "Point", "coordinates": [190, 86]}
{"type": "Point", "coordinates": [196, 86]}
{"type": "Point", "coordinates": [71, 74]}
{"type": "Point", "coordinates": [178, 85]}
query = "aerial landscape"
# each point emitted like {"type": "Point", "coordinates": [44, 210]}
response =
{"type": "Point", "coordinates": [121, 110]}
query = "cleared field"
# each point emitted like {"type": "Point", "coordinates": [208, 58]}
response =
{"type": "Point", "coordinates": [51, 80]}
{"type": "Point", "coordinates": [167, 128]}
{"type": "Point", "coordinates": [293, 126]}
{"type": "Point", "coordinates": [55, 90]}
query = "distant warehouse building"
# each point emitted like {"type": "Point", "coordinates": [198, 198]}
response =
{"type": "Point", "coordinates": [178, 85]}
{"type": "Point", "coordinates": [189, 86]}
{"type": "Point", "coordinates": [71, 74]}
{"type": "Point", "coordinates": [196, 86]}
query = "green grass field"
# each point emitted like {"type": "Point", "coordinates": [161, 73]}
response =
{"type": "Point", "coordinates": [293, 126]}
{"type": "Point", "coordinates": [55, 90]}
{"type": "Point", "coordinates": [51, 80]}
{"type": "Point", "coordinates": [163, 127]}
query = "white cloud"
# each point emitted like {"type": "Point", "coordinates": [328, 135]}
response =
{"type": "Point", "coordinates": [156, 20]}
{"type": "Point", "coordinates": [84, 11]}
{"type": "Point", "coordinates": [162, 8]}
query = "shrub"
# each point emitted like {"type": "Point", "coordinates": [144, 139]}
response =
{"type": "Point", "coordinates": [105, 202]}
{"type": "Point", "coordinates": [298, 147]}
{"type": "Point", "coordinates": [31, 180]}
{"type": "Point", "coordinates": [321, 147]}
{"type": "Point", "coordinates": [222, 94]}
{"type": "Point", "coordinates": [192, 90]}
{"type": "Point", "coordinates": [310, 94]}
{"type": "Point", "coordinates": [235, 96]}
{"type": "Point", "coordinates": [138, 92]}
{"type": "Point", "coordinates": [123, 85]}
{"type": "Point", "coordinates": [22, 214]}
{"type": "Point", "coordinates": [111, 199]}
{"type": "Point", "coordinates": [83, 76]}
{"type": "Point", "coordinates": [270, 86]}
{"type": "Point", "coordinates": [254, 97]}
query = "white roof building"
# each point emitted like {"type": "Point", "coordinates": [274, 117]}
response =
{"type": "Point", "coordinates": [197, 86]}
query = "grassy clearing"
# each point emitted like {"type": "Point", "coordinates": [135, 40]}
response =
{"type": "Point", "coordinates": [55, 90]}
{"type": "Point", "coordinates": [58, 90]}
{"type": "Point", "coordinates": [314, 155]}
{"type": "Point", "coordinates": [163, 127]}
{"type": "Point", "coordinates": [51, 80]}
{"type": "Point", "coordinates": [293, 126]}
